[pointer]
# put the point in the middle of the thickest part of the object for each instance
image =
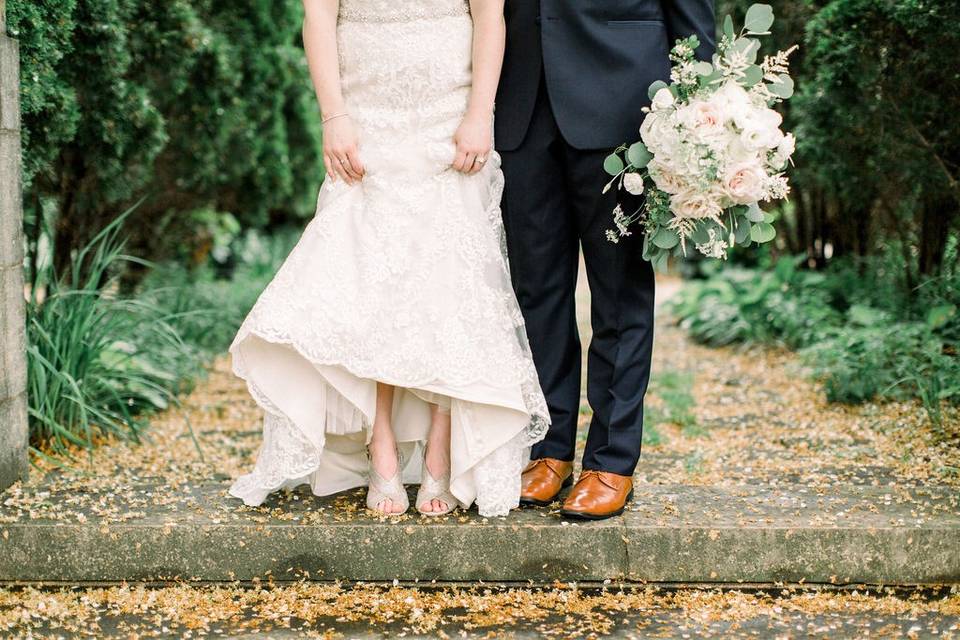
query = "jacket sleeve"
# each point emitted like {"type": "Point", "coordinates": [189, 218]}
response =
{"type": "Point", "coordinates": [685, 18]}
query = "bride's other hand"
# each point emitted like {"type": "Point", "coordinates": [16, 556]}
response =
{"type": "Point", "coordinates": [473, 140]}
{"type": "Point", "coordinates": [341, 150]}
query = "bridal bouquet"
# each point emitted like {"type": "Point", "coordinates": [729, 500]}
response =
{"type": "Point", "coordinates": [711, 148]}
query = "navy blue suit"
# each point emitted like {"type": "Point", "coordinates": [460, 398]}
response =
{"type": "Point", "coordinates": [575, 79]}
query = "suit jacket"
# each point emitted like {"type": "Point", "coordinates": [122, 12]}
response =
{"type": "Point", "coordinates": [598, 58]}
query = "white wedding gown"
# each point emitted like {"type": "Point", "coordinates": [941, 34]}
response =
{"type": "Point", "coordinates": [401, 278]}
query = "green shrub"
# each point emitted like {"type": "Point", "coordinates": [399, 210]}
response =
{"type": "Point", "coordinates": [193, 103]}
{"type": "Point", "coordinates": [784, 305]}
{"type": "Point", "coordinates": [98, 362]}
{"type": "Point", "coordinates": [864, 336]}
{"type": "Point", "coordinates": [206, 307]}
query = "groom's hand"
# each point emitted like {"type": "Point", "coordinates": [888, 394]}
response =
{"type": "Point", "coordinates": [474, 141]}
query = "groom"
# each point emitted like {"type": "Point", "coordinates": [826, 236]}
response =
{"type": "Point", "coordinates": [575, 78]}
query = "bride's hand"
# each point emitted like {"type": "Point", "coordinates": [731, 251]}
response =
{"type": "Point", "coordinates": [341, 150]}
{"type": "Point", "coordinates": [473, 140]}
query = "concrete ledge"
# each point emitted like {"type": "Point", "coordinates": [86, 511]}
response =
{"type": "Point", "coordinates": [751, 535]}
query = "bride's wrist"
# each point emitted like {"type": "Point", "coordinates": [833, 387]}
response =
{"type": "Point", "coordinates": [478, 114]}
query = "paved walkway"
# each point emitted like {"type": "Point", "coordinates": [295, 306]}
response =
{"type": "Point", "coordinates": [747, 475]}
{"type": "Point", "coordinates": [563, 611]}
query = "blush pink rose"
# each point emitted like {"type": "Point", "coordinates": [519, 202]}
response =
{"type": "Point", "coordinates": [707, 114]}
{"type": "Point", "coordinates": [664, 178]}
{"type": "Point", "coordinates": [694, 205]}
{"type": "Point", "coordinates": [744, 183]}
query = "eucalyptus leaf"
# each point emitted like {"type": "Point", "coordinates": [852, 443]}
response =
{"type": "Point", "coordinates": [783, 88]}
{"type": "Point", "coordinates": [660, 261]}
{"type": "Point", "coordinates": [748, 47]}
{"type": "Point", "coordinates": [728, 27]}
{"type": "Point", "coordinates": [656, 86]}
{"type": "Point", "coordinates": [666, 238]}
{"type": "Point", "coordinates": [638, 155]}
{"type": "Point", "coordinates": [754, 213]}
{"type": "Point", "coordinates": [701, 234]}
{"type": "Point", "coordinates": [713, 78]}
{"type": "Point", "coordinates": [703, 68]}
{"type": "Point", "coordinates": [762, 232]}
{"type": "Point", "coordinates": [741, 231]}
{"type": "Point", "coordinates": [759, 19]}
{"type": "Point", "coordinates": [613, 164]}
{"type": "Point", "coordinates": [768, 217]}
{"type": "Point", "coordinates": [752, 75]}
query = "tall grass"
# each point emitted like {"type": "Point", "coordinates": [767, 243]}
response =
{"type": "Point", "coordinates": [97, 362]}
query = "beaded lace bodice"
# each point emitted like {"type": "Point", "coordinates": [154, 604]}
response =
{"type": "Point", "coordinates": [400, 10]}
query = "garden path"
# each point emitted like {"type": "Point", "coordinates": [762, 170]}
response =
{"type": "Point", "coordinates": [748, 477]}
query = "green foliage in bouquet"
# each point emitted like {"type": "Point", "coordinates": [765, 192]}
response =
{"type": "Point", "coordinates": [711, 148]}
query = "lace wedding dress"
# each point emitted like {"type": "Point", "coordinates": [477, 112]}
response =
{"type": "Point", "coordinates": [401, 278]}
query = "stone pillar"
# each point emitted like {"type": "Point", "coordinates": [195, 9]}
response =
{"type": "Point", "coordinates": [13, 366]}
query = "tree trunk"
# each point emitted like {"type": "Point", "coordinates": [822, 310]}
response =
{"type": "Point", "coordinates": [938, 215]}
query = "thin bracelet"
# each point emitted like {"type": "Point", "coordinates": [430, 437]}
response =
{"type": "Point", "coordinates": [334, 117]}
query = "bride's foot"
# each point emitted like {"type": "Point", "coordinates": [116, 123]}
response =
{"type": "Point", "coordinates": [385, 491]}
{"type": "Point", "coordinates": [434, 497]}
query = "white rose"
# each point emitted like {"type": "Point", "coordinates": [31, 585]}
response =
{"type": "Point", "coordinates": [787, 146]}
{"type": "Point", "coordinates": [646, 130]}
{"type": "Point", "coordinates": [732, 100]}
{"type": "Point", "coordinates": [633, 183]}
{"type": "Point", "coordinates": [744, 183]}
{"type": "Point", "coordinates": [761, 138]}
{"type": "Point", "coordinates": [663, 99]}
{"type": "Point", "coordinates": [761, 129]}
{"type": "Point", "coordinates": [659, 133]}
{"type": "Point", "coordinates": [737, 153]}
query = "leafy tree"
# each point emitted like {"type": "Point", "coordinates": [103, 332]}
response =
{"type": "Point", "coordinates": [877, 123]}
{"type": "Point", "coordinates": [193, 104]}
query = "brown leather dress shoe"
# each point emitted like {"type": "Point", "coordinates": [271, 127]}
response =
{"type": "Point", "coordinates": [543, 479]}
{"type": "Point", "coordinates": [598, 495]}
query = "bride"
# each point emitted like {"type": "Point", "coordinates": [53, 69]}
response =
{"type": "Point", "coordinates": [390, 348]}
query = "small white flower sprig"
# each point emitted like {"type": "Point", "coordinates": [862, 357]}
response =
{"type": "Point", "coordinates": [711, 148]}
